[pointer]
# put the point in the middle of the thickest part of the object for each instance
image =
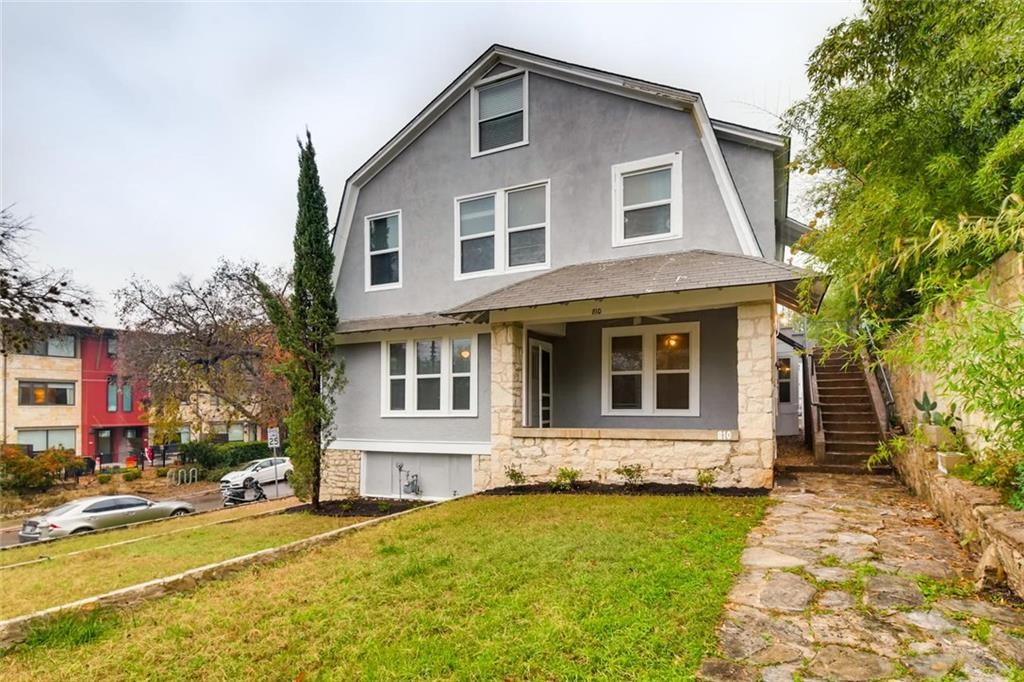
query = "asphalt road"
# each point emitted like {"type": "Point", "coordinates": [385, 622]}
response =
{"type": "Point", "coordinates": [201, 501]}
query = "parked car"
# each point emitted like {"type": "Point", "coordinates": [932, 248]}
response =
{"type": "Point", "coordinates": [101, 511]}
{"type": "Point", "coordinates": [262, 471]}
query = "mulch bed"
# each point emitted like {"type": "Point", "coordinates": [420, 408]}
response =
{"type": "Point", "coordinates": [360, 506]}
{"type": "Point", "coordinates": [595, 488]}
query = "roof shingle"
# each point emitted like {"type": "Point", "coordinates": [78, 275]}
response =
{"type": "Point", "coordinates": [680, 271]}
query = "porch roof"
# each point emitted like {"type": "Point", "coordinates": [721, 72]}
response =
{"type": "Point", "coordinates": [371, 324]}
{"type": "Point", "coordinates": [663, 273]}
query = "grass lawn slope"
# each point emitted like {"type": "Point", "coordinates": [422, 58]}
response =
{"type": "Point", "coordinates": [539, 587]}
{"type": "Point", "coordinates": [66, 579]}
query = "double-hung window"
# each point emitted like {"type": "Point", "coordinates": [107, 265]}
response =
{"type": "Point", "coordinates": [651, 370]}
{"type": "Point", "coordinates": [500, 113]}
{"type": "Point", "coordinates": [383, 265]}
{"type": "Point", "coordinates": [504, 230]}
{"type": "Point", "coordinates": [429, 377]}
{"type": "Point", "coordinates": [647, 200]}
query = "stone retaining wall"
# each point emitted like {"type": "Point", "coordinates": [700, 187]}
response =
{"type": "Point", "coordinates": [990, 529]}
{"type": "Point", "coordinates": [1006, 287]}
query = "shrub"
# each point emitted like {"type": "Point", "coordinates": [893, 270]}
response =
{"type": "Point", "coordinates": [130, 475]}
{"type": "Point", "coordinates": [103, 479]}
{"type": "Point", "coordinates": [161, 472]}
{"type": "Point", "coordinates": [515, 474]}
{"type": "Point", "coordinates": [633, 473]}
{"type": "Point", "coordinates": [566, 479]}
{"type": "Point", "coordinates": [233, 454]}
{"type": "Point", "coordinates": [706, 479]}
{"type": "Point", "coordinates": [216, 473]}
{"type": "Point", "coordinates": [384, 506]}
{"type": "Point", "coordinates": [19, 472]}
{"type": "Point", "coordinates": [199, 452]}
{"type": "Point", "coordinates": [218, 455]}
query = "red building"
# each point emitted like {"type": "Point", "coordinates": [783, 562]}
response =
{"type": "Point", "coordinates": [113, 427]}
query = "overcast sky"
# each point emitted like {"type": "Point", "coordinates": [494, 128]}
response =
{"type": "Point", "coordinates": [150, 140]}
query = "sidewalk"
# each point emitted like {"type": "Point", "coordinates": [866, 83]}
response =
{"type": "Point", "coordinates": [852, 578]}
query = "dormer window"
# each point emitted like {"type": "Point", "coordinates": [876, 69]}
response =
{"type": "Point", "coordinates": [500, 112]}
{"type": "Point", "coordinates": [383, 251]}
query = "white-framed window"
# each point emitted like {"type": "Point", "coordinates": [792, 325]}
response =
{"type": "Point", "coordinates": [651, 370]}
{"type": "Point", "coordinates": [383, 265]}
{"type": "Point", "coordinates": [429, 376]}
{"type": "Point", "coordinates": [647, 200]}
{"type": "Point", "coordinates": [785, 370]}
{"type": "Point", "coordinates": [503, 230]}
{"type": "Point", "coordinates": [500, 113]}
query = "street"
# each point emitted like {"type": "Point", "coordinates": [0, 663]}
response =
{"type": "Point", "coordinates": [205, 501]}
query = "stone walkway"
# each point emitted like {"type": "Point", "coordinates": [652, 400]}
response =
{"type": "Point", "coordinates": [852, 578]}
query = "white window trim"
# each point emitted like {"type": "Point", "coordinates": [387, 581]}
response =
{"type": "Point", "coordinates": [648, 370]}
{"type": "Point", "coordinates": [673, 160]}
{"type": "Point", "coordinates": [411, 377]}
{"type": "Point", "coordinates": [366, 251]}
{"type": "Point", "coordinates": [501, 232]}
{"type": "Point", "coordinates": [474, 105]}
{"type": "Point", "coordinates": [788, 380]}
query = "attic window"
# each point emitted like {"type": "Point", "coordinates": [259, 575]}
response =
{"type": "Point", "coordinates": [500, 113]}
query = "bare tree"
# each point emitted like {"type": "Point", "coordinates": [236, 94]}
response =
{"type": "Point", "coordinates": [31, 297]}
{"type": "Point", "coordinates": [207, 338]}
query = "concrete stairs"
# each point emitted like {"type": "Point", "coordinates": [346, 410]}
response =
{"type": "Point", "coordinates": [848, 418]}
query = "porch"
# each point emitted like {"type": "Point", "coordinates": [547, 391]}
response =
{"type": "Point", "coordinates": [687, 395]}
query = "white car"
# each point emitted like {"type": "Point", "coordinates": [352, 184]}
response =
{"type": "Point", "coordinates": [262, 471]}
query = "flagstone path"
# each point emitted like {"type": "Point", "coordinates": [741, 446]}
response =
{"type": "Point", "coordinates": [853, 578]}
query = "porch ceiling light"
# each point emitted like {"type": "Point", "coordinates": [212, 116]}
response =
{"type": "Point", "coordinates": [672, 340]}
{"type": "Point", "coordinates": [464, 354]}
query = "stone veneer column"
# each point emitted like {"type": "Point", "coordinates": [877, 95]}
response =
{"type": "Point", "coordinates": [339, 475]}
{"type": "Point", "coordinates": [756, 385]}
{"type": "Point", "coordinates": [506, 402]}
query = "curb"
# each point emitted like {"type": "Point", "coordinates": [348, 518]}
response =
{"type": "Point", "coordinates": [40, 543]}
{"type": "Point", "coordinates": [13, 630]}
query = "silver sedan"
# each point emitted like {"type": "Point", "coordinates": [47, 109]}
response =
{"type": "Point", "coordinates": [94, 513]}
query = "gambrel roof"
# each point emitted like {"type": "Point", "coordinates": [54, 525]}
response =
{"type": "Point", "coordinates": [653, 93]}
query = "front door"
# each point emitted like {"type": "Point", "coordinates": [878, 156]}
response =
{"type": "Point", "coordinates": [539, 385]}
{"type": "Point", "coordinates": [104, 446]}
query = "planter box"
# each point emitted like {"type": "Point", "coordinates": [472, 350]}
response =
{"type": "Point", "coordinates": [945, 461]}
{"type": "Point", "coordinates": [939, 437]}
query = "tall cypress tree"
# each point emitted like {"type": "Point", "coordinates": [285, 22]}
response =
{"type": "Point", "coordinates": [305, 325]}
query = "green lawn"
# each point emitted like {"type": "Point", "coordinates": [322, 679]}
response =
{"type": "Point", "coordinates": [539, 587]}
{"type": "Point", "coordinates": [37, 586]}
{"type": "Point", "coordinates": [77, 543]}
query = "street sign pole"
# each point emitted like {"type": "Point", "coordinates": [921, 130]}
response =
{"type": "Point", "coordinates": [274, 441]}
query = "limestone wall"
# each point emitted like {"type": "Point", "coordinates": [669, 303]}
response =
{"type": "Point", "coordinates": [991, 530]}
{"type": "Point", "coordinates": [744, 458]}
{"type": "Point", "coordinates": [339, 476]}
{"type": "Point", "coordinates": [1006, 287]}
{"type": "Point", "coordinates": [40, 368]}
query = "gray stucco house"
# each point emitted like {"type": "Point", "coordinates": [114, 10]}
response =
{"type": "Point", "coordinates": [554, 266]}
